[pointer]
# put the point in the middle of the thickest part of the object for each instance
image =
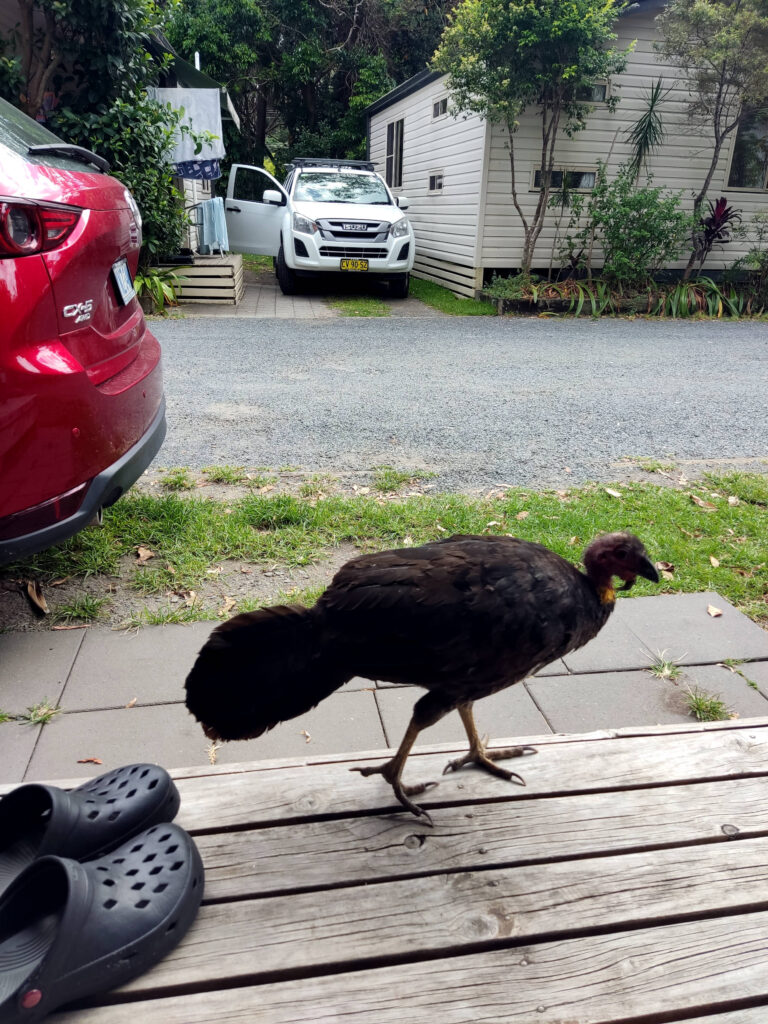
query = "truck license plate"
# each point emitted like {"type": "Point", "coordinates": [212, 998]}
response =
{"type": "Point", "coordinates": [354, 265]}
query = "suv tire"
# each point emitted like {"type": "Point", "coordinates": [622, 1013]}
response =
{"type": "Point", "coordinates": [398, 286]}
{"type": "Point", "coordinates": [285, 276]}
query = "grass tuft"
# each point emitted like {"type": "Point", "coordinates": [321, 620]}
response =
{"type": "Point", "coordinates": [707, 707]}
{"type": "Point", "coordinates": [39, 714]}
{"type": "Point", "coordinates": [225, 474]}
{"type": "Point", "coordinates": [178, 479]}
{"type": "Point", "coordinates": [388, 479]}
{"type": "Point", "coordinates": [86, 608]}
{"type": "Point", "coordinates": [665, 668]}
{"type": "Point", "coordinates": [360, 305]}
{"type": "Point", "coordinates": [446, 302]}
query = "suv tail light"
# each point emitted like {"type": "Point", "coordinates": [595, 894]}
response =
{"type": "Point", "coordinates": [27, 228]}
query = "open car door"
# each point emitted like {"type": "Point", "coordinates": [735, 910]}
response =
{"type": "Point", "coordinates": [252, 224]}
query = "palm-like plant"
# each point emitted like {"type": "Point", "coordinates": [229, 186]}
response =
{"type": "Point", "coordinates": [647, 133]}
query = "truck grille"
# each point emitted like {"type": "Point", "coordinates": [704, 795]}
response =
{"type": "Point", "coordinates": [343, 230]}
{"type": "Point", "coordinates": [357, 253]}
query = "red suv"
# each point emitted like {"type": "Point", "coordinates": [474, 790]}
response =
{"type": "Point", "coordinates": [82, 412]}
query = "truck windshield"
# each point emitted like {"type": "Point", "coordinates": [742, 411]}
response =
{"type": "Point", "coordinates": [333, 187]}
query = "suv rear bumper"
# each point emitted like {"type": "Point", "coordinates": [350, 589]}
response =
{"type": "Point", "coordinates": [103, 490]}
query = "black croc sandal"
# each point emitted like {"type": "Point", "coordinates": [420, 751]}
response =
{"type": "Point", "coordinates": [86, 822]}
{"type": "Point", "coordinates": [70, 930]}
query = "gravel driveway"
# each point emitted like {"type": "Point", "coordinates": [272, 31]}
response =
{"type": "Point", "coordinates": [479, 401]}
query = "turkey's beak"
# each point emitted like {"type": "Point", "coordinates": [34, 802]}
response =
{"type": "Point", "coordinates": [643, 567]}
{"type": "Point", "coordinates": [648, 569]}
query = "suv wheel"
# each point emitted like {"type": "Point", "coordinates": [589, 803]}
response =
{"type": "Point", "coordinates": [285, 276]}
{"type": "Point", "coordinates": [398, 286]}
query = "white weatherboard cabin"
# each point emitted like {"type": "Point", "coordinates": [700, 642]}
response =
{"type": "Point", "coordinates": [455, 169]}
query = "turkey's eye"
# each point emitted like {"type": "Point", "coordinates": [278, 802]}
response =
{"type": "Point", "coordinates": [621, 554]}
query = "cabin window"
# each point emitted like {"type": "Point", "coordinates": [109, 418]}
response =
{"type": "Point", "coordinates": [749, 166]}
{"type": "Point", "coordinates": [394, 163]}
{"type": "Point", "coordinates": [436, 181]}
{"type": "Point", "coordinates": [440, 107]}
{"type": "Point", "coordinates": [595, 93]}
{"type": "Point", "coordinates": [575, 180]}
{"type": "Point", "coordinates": [250, 185]}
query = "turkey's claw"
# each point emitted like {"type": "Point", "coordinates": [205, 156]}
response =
{"type": "Point", "coordinates": [485, 759]}
{"type": "Point", "coordinates": [401, 792]}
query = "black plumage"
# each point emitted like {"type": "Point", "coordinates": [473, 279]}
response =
{"type": "Point", "coordinates": [462, 617]}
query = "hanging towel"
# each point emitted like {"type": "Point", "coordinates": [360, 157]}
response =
{"type": "Point", "coordinates": [213, 226]}
{"type": "Point", "coordinates": [202, 113]}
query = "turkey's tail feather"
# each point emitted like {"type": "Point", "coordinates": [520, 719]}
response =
{"type": "Point", "coordinates": [261, 668]}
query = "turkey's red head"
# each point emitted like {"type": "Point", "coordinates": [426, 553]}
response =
{"type": "Point", "coordinates": [618, 554]}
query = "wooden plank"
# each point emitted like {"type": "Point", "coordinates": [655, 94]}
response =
{"type": "Point", "coordinates": [291, 793]}
{"type": "Point", "coordinates": [458, 913]}
{"type": "Point", "coordinates": [621, 976]}
{"type": "Point", "coordinates": [451, 748]}
{"type": "Point", "coordinates": [347, 851]}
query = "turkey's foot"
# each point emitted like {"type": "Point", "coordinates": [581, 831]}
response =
{"type": "Point", "coordinates": [390, 772]}
{"type": "Point", "coordinates": [478, 754]}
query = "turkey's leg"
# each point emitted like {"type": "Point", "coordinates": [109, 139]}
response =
{"type": "Point", "coordinates": [478, 753]}
{"type": "Point", "coordinates": [393, 769]}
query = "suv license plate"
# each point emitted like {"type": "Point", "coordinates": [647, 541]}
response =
{"type": "Point", "coordinates": [122, 278]}
{"type": "Point", "coordinates": [354, 265]}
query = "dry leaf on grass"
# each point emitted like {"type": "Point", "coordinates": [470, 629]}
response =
{"type": "Point", "coordinates": [144, 554]}
{"type": "Point", "coordinates": [733, 500]}
{"type": "Point", "coordinates": [706, 505]}
{"type": "Point", "coordinates": [714, 612]}
{"type": "Point", "coordinates": [229, 604]}
{"type": "Point", "coordinates": [522, 515]}
{"type": "Point", "coordinates": [666, 569]}
{"type": "Point", "coordinates": [715, 561]}
{"type": "Point", "coordinates": [37, 598]}
{"type": "Point", "coordinates": [613, 494]}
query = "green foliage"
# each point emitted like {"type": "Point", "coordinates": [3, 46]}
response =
{"type": "Point", "coordinates": [755, 263]}
{"type": "Point", "coordinates": [137, 137]}
{"type": "Point", "coordinates": [440, 298]}
{"type": "Point", "coordinates": [502, 56]}
{"type": "Point", "coordinates": [300, 73]}
{"type": "Point", "coordinates": [159, 285]}
{"type": "Point", "coordinates": [646, 134]}
{"type": "Point", "coordinates": [639, 228]}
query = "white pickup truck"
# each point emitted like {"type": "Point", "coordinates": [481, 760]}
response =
{"type": "Point", "coordinates": [329, 216]}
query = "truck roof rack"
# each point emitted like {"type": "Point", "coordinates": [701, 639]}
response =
{"type": "Point", "coordinates": [307, 161]}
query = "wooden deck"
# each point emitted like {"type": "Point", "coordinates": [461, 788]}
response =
{"type": "Point", "coordinates": [627, 882]}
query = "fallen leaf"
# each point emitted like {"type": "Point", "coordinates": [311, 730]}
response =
{"type": "Point", "coordinates": [57, 583]}
{"type": "Point", "coordinates": [408, 541]}
{"type": "Point", "coordinates": [714, 612]}
{"type": "Point", "coordinates": [229, 604]}
{"type": "Point", "coordinates": [90, 760]}
{"type": "Point", "coordinates": [131, 703]}
{"type": "Point", "coordinates": [683, 480]}
{"type": "Point", "coordinates": [307, 737]}
{"type": "Point", "coordinates": [568, 469]}
{"type": "Point", "coordinates": [522, 515]}
{"type": "Point", "coordinates": [442, 529]}
{"type": "Point", "coordinates": [613, 494]}
{"type": "Point", "coordinates": [665, 565]}
{"type": "Point", "coordinates": [715, 561]}
{"type": "Point", "coordinates": [35, 595]}
{"type": "Point", "coordinates": [77, 625]}
{"type": "Point", "coordinates": [189, 597]}
{"type": "Point", "coordinates": [573, 540]}
{"type": "Point", "coordinates": [266, 488]}
{"type": "Point", "coordinates": [733, 500]}
{"type": "Point", "coordinates": [143, 555]}
{"type": "Point", "coordinates": [706, 505]}
{"type": "Point", "coordinates": [495, 522]}
{"type": "Point", "coordinates": [215, 571]}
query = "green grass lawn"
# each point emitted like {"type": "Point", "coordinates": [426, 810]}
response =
{"type": "Point", "coordinates": [712, 535]}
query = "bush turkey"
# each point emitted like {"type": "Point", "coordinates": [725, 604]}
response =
{"type": "Point", "coordinates": [462, 617]}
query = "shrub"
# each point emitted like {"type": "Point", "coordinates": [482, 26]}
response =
{"type": "Point", "coordinates": [639, 228]}
{"type": "Point", "coordinates": [137, 137]}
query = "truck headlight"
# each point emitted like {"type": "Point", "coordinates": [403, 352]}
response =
{"type": "Point", "coordinates": [399, 228]}
{"type": "Point", "coordinates": [304, 224]}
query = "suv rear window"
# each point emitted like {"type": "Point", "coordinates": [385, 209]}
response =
{"type": "Point", "coordinates": [18, 132]}
{"type": "Point", "coordinates": [332, 187]}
